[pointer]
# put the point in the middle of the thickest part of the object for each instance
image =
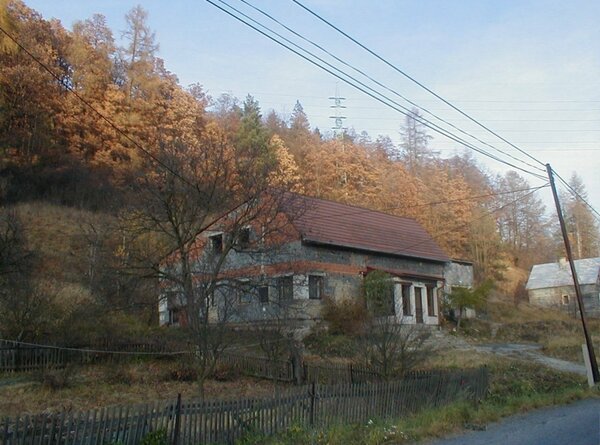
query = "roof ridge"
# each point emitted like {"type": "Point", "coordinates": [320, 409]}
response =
{"type": "Point", "coordinates": [354, 206]}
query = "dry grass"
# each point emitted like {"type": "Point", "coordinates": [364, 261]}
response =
{"type": "Point", "coordinates": [97, 386]}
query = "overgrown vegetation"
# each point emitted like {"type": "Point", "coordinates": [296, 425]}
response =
{"type": "Point", "coordinates": [515, 387]}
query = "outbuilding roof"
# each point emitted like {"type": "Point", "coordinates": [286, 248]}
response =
{"type": "Point", "coordinates": [559, 274]}
{"type": "Point", "coordinates": [331, 223]}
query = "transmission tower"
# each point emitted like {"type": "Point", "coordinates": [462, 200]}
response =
{"type": "Point", "coordinates": [338, 119]}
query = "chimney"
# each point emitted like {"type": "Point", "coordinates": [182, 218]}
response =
{"type": "Point", "coordinates": [563, 262]}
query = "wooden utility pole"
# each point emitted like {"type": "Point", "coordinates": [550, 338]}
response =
{"type": "Point", "coordinates": [563, 228]}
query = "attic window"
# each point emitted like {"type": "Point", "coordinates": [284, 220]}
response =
{"type": "Point", "coordinates": [244, 238]}
{"type": "Point", "coordinates": [216, 243]}
{"type": "Point", "coordinates": [565, 299]}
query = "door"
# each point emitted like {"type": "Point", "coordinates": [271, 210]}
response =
{"type": "Point", "coordinates": [419, 304]}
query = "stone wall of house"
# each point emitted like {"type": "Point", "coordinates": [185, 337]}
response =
{"type": "Point", "coordinates": [564, 298]}
{"type": "Point", "coordinates": [458, 273]}
{"type": "Point", "coordinates": [342, 271]}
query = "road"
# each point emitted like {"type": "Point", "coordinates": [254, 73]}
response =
{"type": "Point", "coordinates": [575, 424]}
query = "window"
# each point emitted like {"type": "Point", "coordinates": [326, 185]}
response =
{"type": "Point", "coordinates": [174, 316]}
{"type": "Point", "coordinates": [244, 238]}
{"type": "Point", "coordinates": [285, 288]}
{"type": "Point", "coordinates": [263, 294]}
{"type": "Point", "coordinates": [565, 299]}
{"type": "Point", "coordinates": [431, 301]}
{"type": "Point", "coordinates": [315, 287]}
{"type": "Point", "coordinates": [244, 296]}
{"type": "Point", "coordinates": [406, 310]}
{"type": "Point", "coordinates": [216, 243]}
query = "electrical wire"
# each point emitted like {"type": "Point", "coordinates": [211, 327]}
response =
{"type": "Point", "coordinates": [395, 68]}
{"type": "Point", "coordinates": [376, 95]}
{"type": "Point", "coordinates": [360, 210]}
{"type": "Point", "coordinates": [391, 90]}
{"type": "Point", "coordinates": [69, 88]}
{"type": "Point", "coordinates": [491, 212]}
{"type": "Point", "coordinates": [577, 195]}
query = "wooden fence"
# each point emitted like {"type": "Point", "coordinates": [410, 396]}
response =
{"type": "Point", "coordinates": [261, 367]}
{"type": "Point", "coordinates": [17, 357]}
{"type": "Point", "coordinates": [217, 421]}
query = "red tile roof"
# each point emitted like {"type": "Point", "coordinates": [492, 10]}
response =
{"type": "Point", "coordinates": [332, 223]}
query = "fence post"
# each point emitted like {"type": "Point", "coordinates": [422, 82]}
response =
{"type": "Point", "coordinates": [177, 420]}
{"type": "Point", "coordinates": [351, 375]}
{"type": "Point", "coordinates": [313, 397]}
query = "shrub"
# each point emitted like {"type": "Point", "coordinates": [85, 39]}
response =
{"type": "Point", "coordinates": [158, 437]}
{"type": "Point", "coordinates": [223, 372]}
{"type": "Point", "coordinates": [56, 379]}
{"type": "Point", "coordinates": [183, 371]}
{"type": "Point", "coordinates": [119, 374]}
{"type": "Point", "coordinates": [325, 344]}
{"type": "Point", "coordinates": [345, 317]}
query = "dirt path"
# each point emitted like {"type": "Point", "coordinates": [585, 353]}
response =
{"type": "Point", "coordinates": [531, 352]}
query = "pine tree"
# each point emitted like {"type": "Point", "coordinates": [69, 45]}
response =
{"type": "Point", "coordinates": [581, 224]}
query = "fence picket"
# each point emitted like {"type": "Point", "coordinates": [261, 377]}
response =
{"type": "Point", "coordinates": [219, 421]}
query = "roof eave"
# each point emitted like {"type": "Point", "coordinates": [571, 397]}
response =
{"type": "Point", "coordinates": [308, 240]}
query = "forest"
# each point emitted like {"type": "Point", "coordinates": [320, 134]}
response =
{"type": "Point", "coordinates": [99, 142]}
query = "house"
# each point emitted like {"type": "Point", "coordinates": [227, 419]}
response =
{"type": "Point", "coordinates": [327, 252]}
{"type": "Point", "coordinates": [551, 285]}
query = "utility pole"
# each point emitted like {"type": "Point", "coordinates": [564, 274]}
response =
{"type": "Point", "coordinates": [338, 129]}
{"type": "Point", "coordinates": [563, 228]}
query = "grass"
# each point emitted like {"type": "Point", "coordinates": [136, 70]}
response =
{"type": "Point", "coordinates": [559, 334]}
{"type": "Point", "coordinates": [98, 386]}
{"type": "Point", "coordinates": [516, 386]}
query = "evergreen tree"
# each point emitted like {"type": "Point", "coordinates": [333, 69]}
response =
{"type": "Point", "coordinates": [581, 224]}
{"type": "Point", "coordinates": [299, 120]}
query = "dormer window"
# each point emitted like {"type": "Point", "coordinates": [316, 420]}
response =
{"type": "Point", "coordinates": [216, 243]}
{"type": "Point", "coordinates": [244, 238]}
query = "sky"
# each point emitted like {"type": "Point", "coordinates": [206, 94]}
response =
{"type": "Point", "coordinates": [528, 69]}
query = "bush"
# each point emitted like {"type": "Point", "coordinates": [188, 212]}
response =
{"type": "Point", "coordinates": [324, 343]}
{"type": "Point", "coordinates": [119, 374]}
{"type": "Point", "coordinates": [183, 371]}
{"type": "Point", "coordinates": [56, 379]}
{"type": "Point", "coordinates": [224, 373]}
{"type": "Point", "coordinates": [158, 437]}
{"type": "Point", "coordinates": [345, 317]}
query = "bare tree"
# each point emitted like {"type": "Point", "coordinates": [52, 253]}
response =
{"type": "Point", "coordinates": [393, 347]}
{"type": "Point", "coordinates": [201, 204]}
{"type": "Point", "coordinates": [26, 308]}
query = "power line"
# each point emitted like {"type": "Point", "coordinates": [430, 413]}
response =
{"type": "Point", "coordinates": [416, 82]}
{"type": "Point", "coordinates": [414, 115]}
{"type": "Point", "coordinates": [359, 210]}
{"type": "Point", "coordinates": [577, 195]}
{"type": "Point", "coordinates": [478, 218]}
{"type": "Point", "coordinates": [375, 95]}
{"type": "Point", "coordinates": [69, 88]}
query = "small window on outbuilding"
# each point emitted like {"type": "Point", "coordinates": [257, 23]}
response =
{"type": "Point", "coordinates": [565, 299]}
{"type": "Point", "coordinates": [315, 287]}
{"type": "Point", "coordinates": [216, 243]}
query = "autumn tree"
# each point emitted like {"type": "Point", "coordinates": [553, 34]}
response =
{"type": "Point", "coordinates": [521, 220]}
{"type": "Point", "coordinates": [138, 57]}
{"type": "Point", "coordinates": [581, 224]}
